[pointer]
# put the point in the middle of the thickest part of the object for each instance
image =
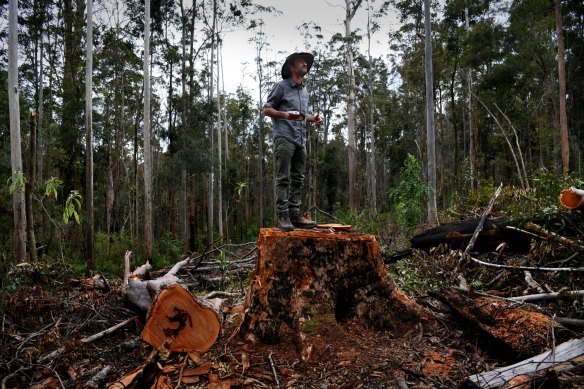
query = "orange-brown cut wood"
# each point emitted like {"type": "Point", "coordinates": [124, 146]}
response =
{"type": "Point", "coordinates": [309, 279]}
{"type": "Point", "coordinates": [189, 323]}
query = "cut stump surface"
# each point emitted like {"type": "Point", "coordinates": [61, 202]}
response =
{"type": "Point", "coordinates": [190, 324]}
{"type": "Point", "coordinates": [307, 278]}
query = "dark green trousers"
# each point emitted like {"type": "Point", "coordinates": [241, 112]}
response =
{"type": "Point", "coordinates": [290, 166]}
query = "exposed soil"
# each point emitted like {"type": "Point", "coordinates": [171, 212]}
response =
{"type": "Point", "coordinates": [46, 313]}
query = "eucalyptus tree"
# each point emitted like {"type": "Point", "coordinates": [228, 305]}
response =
{"type": "Point", "coordinates": [564, 139]}
{"type": "Point", "coordinates": [72, 95]}
{"type": "Point", "coordinates": [430, 132]}
{"type": "Point", "coordinates": [261, 44]}
{"type": "Point", "coordinates": [15, 139]}
{"type": "Point", "coordinates": [89, 138]}
{"type": "Point", "coordinates": [148, 232]}
{"type": "Point", "coordinates": [351, 7]}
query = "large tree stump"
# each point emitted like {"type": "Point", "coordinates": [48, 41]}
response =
{"type": "Point", "coordinates": [315, 275]}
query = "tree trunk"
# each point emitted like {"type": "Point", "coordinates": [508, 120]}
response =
{"type": "Point", "coordinates": [522, 330]}
{"type": "Point", "coordinates": [30, 187]}
{"type": "Point", "coordinates": [89, 139]}
{"type": "Point", "coordinates": [372, 171]}
{"type": "Point", "coordinates": [430, 134]}
{"type": "Point", "coordinates": [183, 170]}
{"type": "Point", "coordinates": [565, 142]}
{"type": "Point", "coordinates": [219, 159]}
{"type": "Point", "coordinates": [350, 9]}
{"type": "Point", "coordinates": [259, 41]}
{"type": "Point", "coordinates": [211, 183]}
{"type": "Point", "coordinates": [15, 142]}
{"type": "Point", "coordinates": [148, 235]}
{"type": "Point", "coordinates": [471, 133]}
{"type": "Point", "coordinates": [174, 315]}
{"type": "Point", "coordinates": [458, 234]}
{"type": "Point", "coordinates": [191, 324]}
{"type": "Point", "coordinates": [306, 278]}
{"type": "Point", "coordinates": [531, 372]}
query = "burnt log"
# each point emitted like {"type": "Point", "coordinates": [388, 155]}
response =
{"type": "Point", "coordinates": [308, 276]}
{"type": "Point", "coordinates": [458, 234]}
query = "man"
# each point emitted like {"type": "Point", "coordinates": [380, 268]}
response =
{"type": "Point", "coordinates": [287, 105]}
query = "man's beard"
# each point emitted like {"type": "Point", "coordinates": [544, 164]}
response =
{"type": "Point", "coordinates": [301, 72]}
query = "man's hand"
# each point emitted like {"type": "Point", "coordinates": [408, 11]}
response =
{"type": "Point", "coordinates": [316, 119]}
{"type": "Point", "coordinates": [294, 115]}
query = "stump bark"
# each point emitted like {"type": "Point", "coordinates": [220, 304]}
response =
{"type": "Point", "coordinates": [307, 276]}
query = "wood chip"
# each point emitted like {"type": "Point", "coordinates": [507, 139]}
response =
{"type": "Point", "coordinates": [190, 380]}
{"type": "Point", "coordinates": [196, 371]}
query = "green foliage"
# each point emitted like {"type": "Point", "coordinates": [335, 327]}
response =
{"type": "Point", "coordinates": [73, 201]}
{"type": "Point", "coordinates": [109, 252]}
{"type": "Point", "coordinates": [17, 181]}
{"type": "Point", "coordinates": [52, 186]}
{"type": "Point", "coordinates": [409, 197]}
{"type": "Point", "coordinates": [541, 200]}
{"type": "Point", "coordinates": [411, 279]}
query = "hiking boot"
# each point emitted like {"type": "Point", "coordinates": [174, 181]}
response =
{"type": "Point", "coordinates": [284, 221]}
{"type": "Point", "coordinates": [298, 220]}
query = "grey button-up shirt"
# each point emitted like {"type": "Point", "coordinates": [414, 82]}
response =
{"type": "Point", "coordinates": [287, 96]}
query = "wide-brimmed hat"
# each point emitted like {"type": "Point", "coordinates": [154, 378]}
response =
{"type": "Point", "coordinates": [309, 58]}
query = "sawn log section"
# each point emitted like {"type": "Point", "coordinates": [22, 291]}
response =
{"type": "Point", "coordinates": [308, 277]}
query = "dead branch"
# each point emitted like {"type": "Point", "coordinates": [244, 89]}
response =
{"type": "Point", "coordinates": [220, 293]}
{"type": "Point", "coordinates": [96, 381]}
{"type": "Point", "coordinates": [108, 331]}
{"type": "Point", "coordinates": [482, 221]}
{"type": "Point", "coordinates": [552, 235]}
{"type": "Point", "coordinates": [274, 370]}
{"type": "Point", "coordinates": [531, 298]}
{"type": "Point", "coordinates": [529, 268]}
{"type": "Point", "coordinates": [566, 356]}
{"type": "Point", "coordinates": [54, 354]}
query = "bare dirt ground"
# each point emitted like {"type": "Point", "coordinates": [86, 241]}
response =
{"type": "Point", "coordinates": [45, 319]}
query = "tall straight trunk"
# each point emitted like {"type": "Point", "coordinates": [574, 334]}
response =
{"type": "Point", "coordinates": [219, 161]}
{"type": "Point", "coordinates": [225, 124]}
{"type": "Point", "coordinates": [225, 127]}
{"type": "Point", "coordinates": [15, 141]}
{"type": "Point", "coordinates": [148, 235]}
{"type": "Point", "coordinates": [565, 142]}
{"type": "Point", "coordinates": [471, 132]}
{"type": "Point", "coordinates": [259, 46]}
{"type": "Point", "coordinates": [372, 171]}
{"type": "Point", "coordinates": [30, 186]}
{"type": "Point", "coordinates": [183, 170]}
{"type": "Point", "coordinates": [39, 120]}
{"type": "Point", "coordinates": [211, 183]}
{"type": "Point", "coordinates": [350, 9]}
{"type": "Point", "coordinates": [430, 133]}
{"type": "Point", "coordinates": [89, 138]}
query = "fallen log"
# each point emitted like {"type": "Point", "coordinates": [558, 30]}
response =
{"type": "Point", "coordinates": [309, 279]}
{"type": "Point", "coordinates": [173, 314]}
{"type": "Point", "coordinates": [572, 198]}
{"type": "Point", "coordinates": [531, 372]}
{"type": "Point", "coordinates": [523, 330]}
{"type": "Point", "coordinates": [458, 235]}
{"type": "Point", "coordinates": [188, 324]}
